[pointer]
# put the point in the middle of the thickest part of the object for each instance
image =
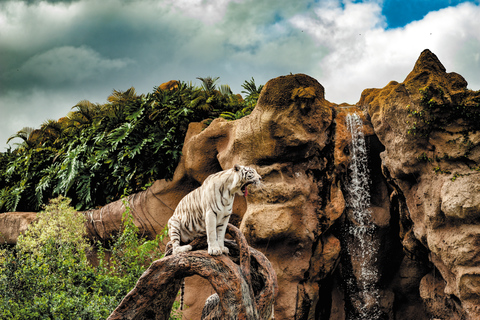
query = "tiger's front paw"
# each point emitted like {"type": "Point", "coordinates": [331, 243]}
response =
{"type": "Point", "coordinates": [225, 250]}
{"type": "Point", "coordinates": [214, 251]}
{"type": "Point", "coordinates": [181, 249]}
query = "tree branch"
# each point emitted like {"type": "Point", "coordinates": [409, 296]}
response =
{"type": "Point", "coordinates": [245, 283]}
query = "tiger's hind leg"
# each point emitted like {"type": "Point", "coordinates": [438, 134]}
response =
{"type": "Point", "coordinates": [174, 234]}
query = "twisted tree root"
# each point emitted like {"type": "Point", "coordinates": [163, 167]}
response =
{"type": "Point", "coordinates": [246, 283]}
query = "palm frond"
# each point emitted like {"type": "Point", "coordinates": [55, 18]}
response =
{"type": "Point", "coordinates": [226, 90]}
{"type": "Point", "coordinates": [23, 134]}
{"type": "Point", "coordinates": [118, 96]}
{"type": "Point", "coordinates": [208, 83]}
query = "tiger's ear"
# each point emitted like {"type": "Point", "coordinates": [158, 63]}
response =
{"type": "Point", "coordinates": [237, 167]}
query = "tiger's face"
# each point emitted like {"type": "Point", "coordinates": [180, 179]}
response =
{"type": "Point", "coordinates": [248, 176]}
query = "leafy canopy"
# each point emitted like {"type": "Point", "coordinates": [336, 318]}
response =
{"type": "Point", "coordinates": [98, 152]}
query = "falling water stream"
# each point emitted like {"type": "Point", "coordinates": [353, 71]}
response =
{"type": "Point", "coordinates": [362, 246]}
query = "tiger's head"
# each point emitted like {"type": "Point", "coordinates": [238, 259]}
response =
{"type": "Point", "coordinates": [247, 176]}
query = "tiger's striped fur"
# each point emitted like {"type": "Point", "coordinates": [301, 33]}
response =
{"type": "Point", "coordinates": [207, 209]}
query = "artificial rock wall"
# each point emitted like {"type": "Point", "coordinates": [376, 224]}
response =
{"type": "Point", "coordinates": [425, 195]}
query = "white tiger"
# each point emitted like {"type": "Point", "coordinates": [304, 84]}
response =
{"type": "Point", "coordinates": [207, 209]}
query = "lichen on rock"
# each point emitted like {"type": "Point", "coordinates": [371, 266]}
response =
{"type": "Point", "coordinates": [434, 170]}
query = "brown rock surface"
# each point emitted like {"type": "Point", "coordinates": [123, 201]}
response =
{"type": "Point", "coordinates": [169, 85]}
{"type": "Point", "coordinates": [12, 224]}
{"type": "Point", "coordinates": [420, 122]}
{"type": "Point", "coordinates": [284, 218]}
{"type": "Point", "coordinates": [285, 139]}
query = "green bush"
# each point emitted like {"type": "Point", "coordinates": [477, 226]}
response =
{"type": "Point", "coordinates": [47, 274]}
{"type": "Point", "coordinates": [436, 112]}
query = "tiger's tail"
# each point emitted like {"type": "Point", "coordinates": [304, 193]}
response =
{"type": "Point", "coordinates": [182, 294]}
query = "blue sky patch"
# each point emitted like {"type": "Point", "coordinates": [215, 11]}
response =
{"type": "Point", "coordinates": [399, 13]}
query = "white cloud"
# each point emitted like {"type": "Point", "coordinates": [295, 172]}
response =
{"type": "Point", "coordinates": [208, 11]}
{"type": "Point", "coordinates": [363, 54]}
{"type": "Point", "coordinates": [26, 27]}
{"type": "Point", "coordinates": [86, 48]}
{"type": "Point", "coordinates": [69, 63]}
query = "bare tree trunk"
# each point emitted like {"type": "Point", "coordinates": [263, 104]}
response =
{"type": "Point", "coordinates": [245, 282]}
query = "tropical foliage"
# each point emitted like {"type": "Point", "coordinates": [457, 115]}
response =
{"type": "Point", "coordinates": [100, 151]}
{"type": "Point", "coordinates": [47, 274]}
{"type": "Point", "coordinates": [252, 92]}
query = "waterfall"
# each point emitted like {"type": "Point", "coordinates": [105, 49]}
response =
{"type": "Point", "coordinates": [362, 244]}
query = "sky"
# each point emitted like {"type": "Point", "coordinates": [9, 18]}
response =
{"type": "Point", "coordinates": [56, 53]}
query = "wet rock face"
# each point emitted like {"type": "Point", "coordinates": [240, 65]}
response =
{"type": "Point", "coordinates": [431, 157]}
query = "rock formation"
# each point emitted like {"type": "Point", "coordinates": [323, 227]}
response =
{"type": "Point", "coordinates": [430, 128]}
{"type": "Point", "coordinates": [13, 224]}
{"type": "Point", "coordinates": [423, 139]}
{"type": "Point", "coordinates": [286, 138]}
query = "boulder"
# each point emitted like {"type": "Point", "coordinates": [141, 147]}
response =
{"type": "Point", "coordinates": [13, 224]}
{"type": "Point", "coordinates": [461, 197]}
{"type": "Point", "coordinates": [169, 85]}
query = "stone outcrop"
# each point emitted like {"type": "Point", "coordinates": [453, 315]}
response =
{"type": "Point", "coordinates": [12, 224]}
{"type": "Point", "coordinates": [429, 127]}
{"type": "Point", "coordinates": [423, 137]}
{"type": "Point", "coordinates": [288, 138]}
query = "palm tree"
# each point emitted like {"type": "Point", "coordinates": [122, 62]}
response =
{"type": "Point", "coordinates": [26, 134]}
{"type": "Point", "coordinates": [251, 89]}
{"type": "Point", "coordinates": [120, 103]}
{"type": "Point", "coordinates": [52, 131]}
{"type": "Point", "coordinates": [85, 114]}
{"type": "Point", "coordinates": [208, 84]}
{"type": "Point", "coordinates": [205, 99]}
{"type": "Point", "coordinates": [252, 93]}
{"type": "Point", "coordinates": [225, 90]}
{"type": "Point", "coordinates": [121, 97]}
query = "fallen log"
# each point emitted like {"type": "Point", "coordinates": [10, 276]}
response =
{"type": "Point", "coordinates": [245, 283]}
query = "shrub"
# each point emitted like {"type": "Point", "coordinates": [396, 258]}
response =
{"type": "Point", "coordinates": [47, 274]}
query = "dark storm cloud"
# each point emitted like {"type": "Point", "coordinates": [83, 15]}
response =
{"type": "Point", "coordinates": [83, 44]}
{"type": "Point", "coordinates": [56, 53]}
{"type": "Point", "coordinates": [30, 2]}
